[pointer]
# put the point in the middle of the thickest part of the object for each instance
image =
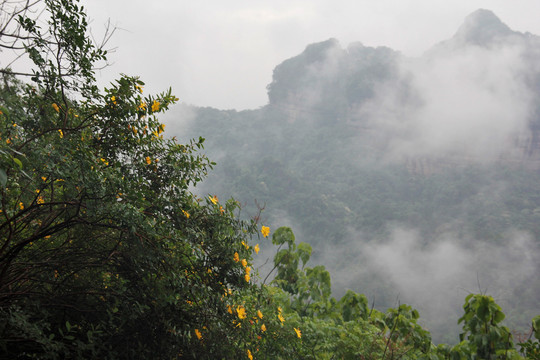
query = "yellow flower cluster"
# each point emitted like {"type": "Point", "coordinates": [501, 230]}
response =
{"type": "Point", "coordinates": [214, 199]}
{"type": "Point", "coordinates": [265, 231]}
{"type": "Point", "coordinates": [241, 311]}
{"type": "Point", "coordinates": [280, 316]}
{"type": "Point", "coordinates": [155, 106]}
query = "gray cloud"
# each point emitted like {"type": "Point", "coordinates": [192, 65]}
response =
{"type": "Point", "coordinates": [222, 54]}
{"type": "Point", "coordinates": [435, 277]}
{"type": "Point", "coordinates": [472, 103]}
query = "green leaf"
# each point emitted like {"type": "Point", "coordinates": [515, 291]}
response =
{"type": "Point", "coordinates": [18, 162]}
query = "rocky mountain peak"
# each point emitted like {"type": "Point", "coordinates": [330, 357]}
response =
{"type": "Point", "coordinates": [481, 28]}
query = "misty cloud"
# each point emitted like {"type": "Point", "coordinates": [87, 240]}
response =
{"type": "Point", "coordinates": [471, 103]}
{"type": "Point", "coordinates": [435, 277]}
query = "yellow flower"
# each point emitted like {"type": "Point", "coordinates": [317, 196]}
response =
{"type": "Point", "coordinates": [265, 231]}
{"type": "Point", "coordinates": [113, 99]}
{"type": "Point", "coordinates": [161, 128]}
{"type": "Point", "coordinates": [256, 248]}
{"type": "Point", "coordinates": [241, 312]}
{"type": "Point", "coordinates": [142, 106]}
{"type": "Point", "coordinates": [247, 277]}
{"type": "Point", "coordinates": [43, 178]}
{"type": "Point", "coordinates": [244, 262]}
{"type": "Point", "coordinates": [229, 309]}
{"type": "Point", "coordinates": [259, 314]}
{"type": "Point", "coordinates": [148, 160]}
{"type": "Point", "coordinates": [21, 206]}
{"type": "Point", "coordinates": [138, 87]}
{"type": "Point", "coordinates": [55, 107]}
{"type": "Point", "coordinates": [236, 258]}
{"type": "Point", "coordinates": [213, 199]}
{"type": "Point", "coordinates": [61, 133]}
{"type": "Point", "coordinates": [186, 214]}
{"type": "Point", "coordinates": [155, 105]}
{"type": "Point", "coordinates": [40, 200]}
{"type": "Point", "coordinates": [245, 245]}
{"type": "Point", "coordinates": [298, 333]}
{"type": "Point", "coordinates": [198, 333]}
{"type": "Point", "coordinates": [279, 309]}
{"type": "Point", "coordinates": [221, 210]}
{"type": "Point", "coordinates": [248, 270]}
{"type": "Point", "coordinates": [250, 357]}
{"type": "Point", "coordinates": [281, 318]}
{"type": "Point", "coordinates": [263, 328]}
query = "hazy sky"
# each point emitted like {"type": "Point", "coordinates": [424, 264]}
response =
{"type": "Point", "coordinates": [222, 53]}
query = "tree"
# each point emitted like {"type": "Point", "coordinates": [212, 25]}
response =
{"type": "Point", "coordinates": [104, 251]}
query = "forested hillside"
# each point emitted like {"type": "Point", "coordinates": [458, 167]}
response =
{"type": "Point", "coordinates": [415, 180]}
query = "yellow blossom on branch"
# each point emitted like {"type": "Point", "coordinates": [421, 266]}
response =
{"type": "Point", "coordinates": [186, 214]}
{"type": "Point", "coordinates": [148, 160]}
{"type": "Point", "coordinates": [263, 328]}
{"type": "Point", "coordinates": [198, 333]}
{"type": "Point", "coordinates": [250, 357]}
{"type": "Point", "coordinates": [298, 333]}
{"type": "Point", "coordinates": [241, 312]}
{"type": "Point", "coordinates": [259, 314]}
{"type": "Point", "coordinates": [236, 257]}
{"type": "Point", "coordinates": [214, 199]}
{"type": "Point", "coordinates": [244, 262]}
{"type": "Point", "coordinates": [21, 206]}
{"type": "Point", "coordinates": [155, 106]}
{"type": "Point", "coordinates": [247, 277]}
{"type": "Point", "coordinates": [281, 318]}
{"type": "Point", "coordinates": [161, 128]}
{"type": "Point", "coordinates": [256, 248]}
{"type": "Point", "coordinates": [265, 231]}
{"type": "Point", "coordinates": [61, 133]}
{"type": "Point", "coordinates": [55, 107]}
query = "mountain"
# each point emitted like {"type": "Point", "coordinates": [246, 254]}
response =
{"type": "Point", "coordinates": [412, 178]}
